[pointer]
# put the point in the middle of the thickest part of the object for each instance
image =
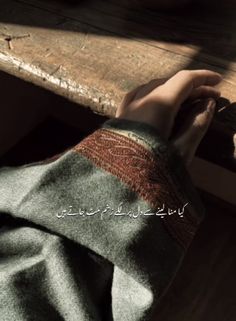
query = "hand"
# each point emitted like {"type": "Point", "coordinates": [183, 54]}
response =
{"type": "Point", "coordinates": [158, 103]}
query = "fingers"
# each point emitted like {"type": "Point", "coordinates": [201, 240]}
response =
{"type": "Point", "coordinates": [181, 85]}
{"type": "Point", "coordinates": [158, 102]}
{"type": "Point", "coordinates": [205, 92]}
{"type": "Point", "coordinates": [194, 130]}
{"type": "Point", "coordinates": [192, 84]}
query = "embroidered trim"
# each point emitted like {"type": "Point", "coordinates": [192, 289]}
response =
{"type": "Point", "coordinates": [132, 136]}
{"type": "Point", "coordinates": [144, 173]}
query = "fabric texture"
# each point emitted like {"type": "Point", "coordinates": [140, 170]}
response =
{"type": "Point", "coordinates": [97, 233]}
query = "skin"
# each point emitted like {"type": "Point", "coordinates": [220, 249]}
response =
{"type": "Point", "coordinates": [160, 101]}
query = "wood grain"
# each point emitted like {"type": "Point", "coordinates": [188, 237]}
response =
{"type": "Point", "coordinates": [100, 56]}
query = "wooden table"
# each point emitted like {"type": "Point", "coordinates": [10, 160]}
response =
{"type": "Point", "coordinates": [96, 51]}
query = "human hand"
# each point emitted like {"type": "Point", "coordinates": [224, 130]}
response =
{"type": "Point", "coordinates": [158, 103]}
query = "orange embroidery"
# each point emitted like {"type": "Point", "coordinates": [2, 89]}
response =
{"type": "Point", "coordinates": [144, 173]}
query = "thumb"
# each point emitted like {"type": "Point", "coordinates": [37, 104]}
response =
{"type": "Point", "coordinates": [194, 129]}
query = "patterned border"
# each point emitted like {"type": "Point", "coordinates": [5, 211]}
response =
{"type": "Point", "coordinates": [143, 172]}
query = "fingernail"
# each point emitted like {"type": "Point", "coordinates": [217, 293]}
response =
{"type": "Point", "coordinates": [210, 105]}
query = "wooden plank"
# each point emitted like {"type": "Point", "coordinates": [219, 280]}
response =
{"type": "Point", "coordinates": [205, 32]}
{"type": "Point", "coordinates": [210, 177]}
{"type": "Point", "coordinates": [89, 67]}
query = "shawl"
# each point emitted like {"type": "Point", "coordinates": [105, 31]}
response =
{"type": "Point", "coordinates": [98, 232]}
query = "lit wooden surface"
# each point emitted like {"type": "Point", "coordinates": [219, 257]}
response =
{"type": "Point", "coordinates": [96, 51]}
